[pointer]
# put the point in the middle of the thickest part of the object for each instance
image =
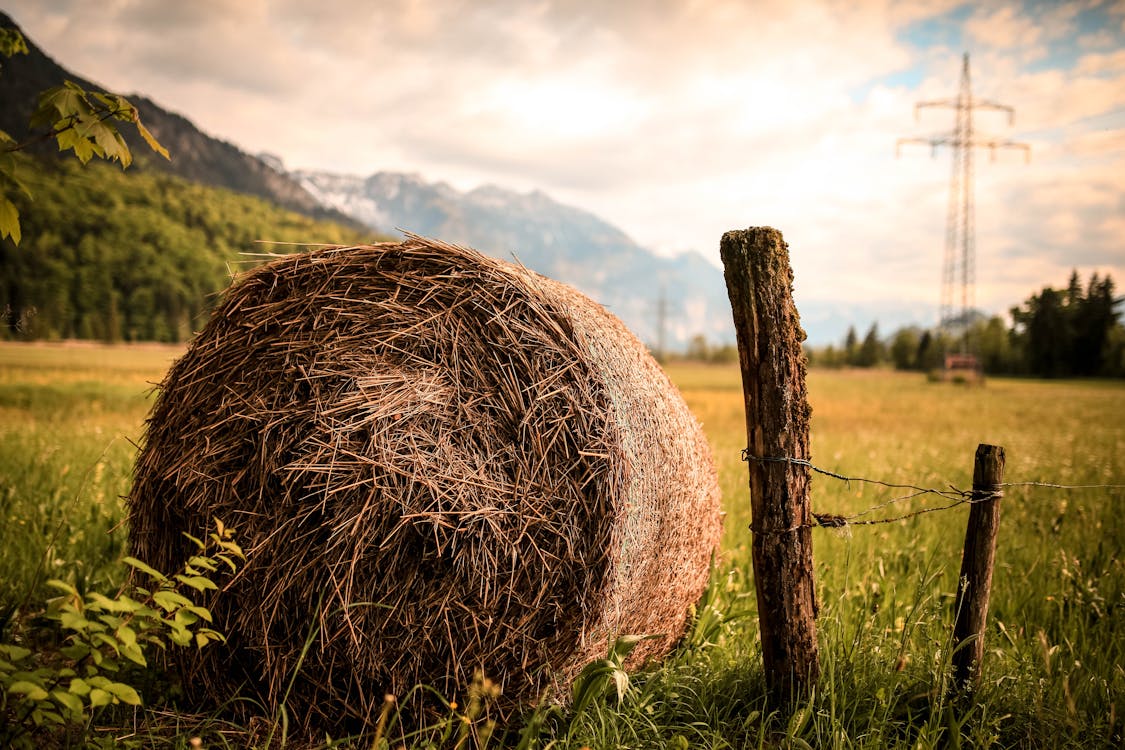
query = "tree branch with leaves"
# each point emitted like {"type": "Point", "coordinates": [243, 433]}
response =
{"type": "Point", "coordinates": [77, 120]}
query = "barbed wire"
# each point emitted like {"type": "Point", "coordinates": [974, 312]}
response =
{"type": "Point", "coordinates": [957, 496]}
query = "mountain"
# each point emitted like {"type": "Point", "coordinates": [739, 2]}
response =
{"type": "Point", "coordinates": [196, 156]}
{"type": "Point", "coordinates": [563, 242]}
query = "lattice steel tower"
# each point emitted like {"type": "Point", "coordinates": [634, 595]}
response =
{"type": "Point", "coordinates": [959, 263]}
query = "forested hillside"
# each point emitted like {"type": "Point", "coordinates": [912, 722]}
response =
{"type": "Point", "coordinates": [132, 256]}
{"type": "Point", "coordinates": [196, 156]}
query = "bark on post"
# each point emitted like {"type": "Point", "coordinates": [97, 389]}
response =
{"type": "Point", "coordinates": [759, 283]}
{"type": "Point", "coordinates": [975, 583]}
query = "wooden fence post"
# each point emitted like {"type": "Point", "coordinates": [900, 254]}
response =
{"type": "Point", "coordinates": [759, 283]}
{"type": "Point", "coordinates": [975, 583]}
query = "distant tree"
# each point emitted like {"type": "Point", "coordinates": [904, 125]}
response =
{"type": "Point", "coordinates": [1042, 323]}
{"type": "Point", "coordinates": [1113, 360]}
{"type": "Point", "coordinates": [931, 352]}
{"type": "Point", "coordinates": [994, 346]}
{"type": "Point", "coordinates": [1074, 290]}
{"type": "Point", "coordinates": [851, 346]}
{"type": "Point", "coordinates": [698, 349]}
{"type": "Point", "coordinates": [1068, 332]}
{"type": "Point", "coordinates": [826, 356]}
{"type": "Point", "coordinates": [870, 352]}
{"type": "Point", "coordinates": [904, 348]}
{"type": "Point", "coordinates": [1093, 319]}
{"type": "Point", "coordinates": [725, 354]}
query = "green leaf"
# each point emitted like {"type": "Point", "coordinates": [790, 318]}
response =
{"type": "Point", "coordinates": [156, 640]}
{"type": "Point", "coordinates": [113, 622]}
{"type": "Point", "coordinates": [78, 686]}
{"type": "Point", "coordinates": [169, 600]}
{"type": "Point", "coordinates": [202, 561]}
{"type": "Point", "coordinates": [124, 693]}
{"type": "Point", "coordinates": [32, 691]}
{"type": "Point", "coordinates": [592, 683]}
{"type": "Point", "coordinates": [99, 697]}
{"type": "Point", "coordinates": [113, 104]}
{"type": "Point", "coordinates": [77, 651]}
{"type": "Point", "coordinates": [199, 583]}
{"type": "Point", "coordinates": [206, 635]}
{"type": "Point", "coordinates": [233, 548]}
{"type": "Point", "coordinates": [123, 603]}
{"type": "Point", "coordinates": [83, 148]}
{"type": "Point", "coordinates": [186, 618]}
{"type": "Point", "coordinates": [202, 612]}
{"type": "Point", "coordinates": [42, 716]}
{"type": "Point", "coordinates": [100, 639]}
{"type": "Point", "coordinates": [178, 632]}
{"type": "Point", "coordinates": [625, 644]}
{"type": "Point", "coordinates": [9, 220]}
{"type": "Point", "coordinates": [58, 104]}
{"type": "Point", "coordinates": [180, 635]}
{"type": "Point", "coordinates": [62, 586]}
{"type": "Point", "coordinates": [75, 621]}
{"type": "Point", "coordinates": [145, 568]}
{"type": "Point", "coordinates": [15, 653]}
{"type": "Point", "coordinates": [112, 144]}
{"type": "Point", "coordinates": [133, 653]}
{"type": "Point", "coordinates": [69, 701]}
{"type": "Point", "coordinates": [126, 635]}
{"type": "Point", "coordinates": [145, 614]}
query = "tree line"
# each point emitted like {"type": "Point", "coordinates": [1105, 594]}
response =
{"type": "Point", "coordinates": [137, 256]}
{"type": "Point", "coordinates": [1074, 331]}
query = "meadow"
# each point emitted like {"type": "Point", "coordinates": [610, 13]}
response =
{"type": "Point", "coordinates": [1054, 670]}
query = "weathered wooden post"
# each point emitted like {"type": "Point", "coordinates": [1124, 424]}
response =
{"type": "Point", "coordinates": [759, 283]}
{"type": "Point", "coordinates": [975, 584]}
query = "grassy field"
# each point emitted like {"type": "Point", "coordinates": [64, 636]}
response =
{"type": "Point", "coordinates": [1054, 672]}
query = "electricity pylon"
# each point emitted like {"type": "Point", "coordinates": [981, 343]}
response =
{"type": "Point", "coordinates": [959, 264]}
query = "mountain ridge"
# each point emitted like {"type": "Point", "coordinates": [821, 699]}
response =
{"type": "Point", "coordinates": [196, 156]}
{"type": "Point", "coordinates": [560, 241]}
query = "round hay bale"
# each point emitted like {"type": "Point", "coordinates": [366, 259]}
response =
{"type": "Point", "coordinates": [437, 462]}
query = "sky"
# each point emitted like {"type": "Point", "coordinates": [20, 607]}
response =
{"type": "Point", "coordinates": [675, 120]}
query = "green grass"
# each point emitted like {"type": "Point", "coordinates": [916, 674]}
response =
{"type": "Point", "coordinates": [69, 416]}
{"type": "Point", "coordinates": [1053, 672]}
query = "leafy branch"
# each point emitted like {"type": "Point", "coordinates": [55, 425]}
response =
{"type": "Point", "coordinates": [65, 688]}
{"type": "Point", "coordinates": [78, 120]}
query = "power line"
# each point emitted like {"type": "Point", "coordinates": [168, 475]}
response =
{"type": "Point", "coordinates": [959, 261]}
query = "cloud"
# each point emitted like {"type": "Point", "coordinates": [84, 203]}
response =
{"type": "Point", "coordinates": [1006, 28]}
{"type": "Point", "coordinates": [676, 119]}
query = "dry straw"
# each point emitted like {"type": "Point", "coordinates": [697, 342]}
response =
{"type": "Point", "coordinates": [437, 462]}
